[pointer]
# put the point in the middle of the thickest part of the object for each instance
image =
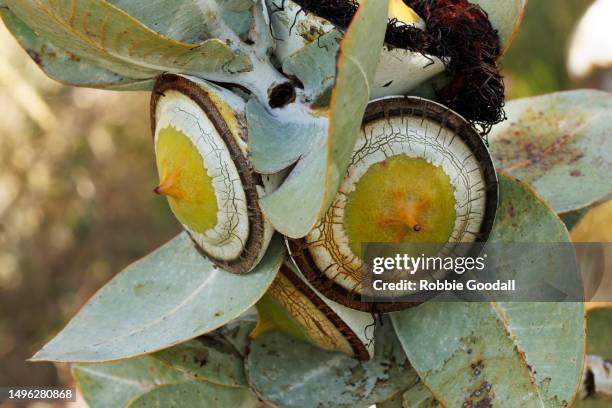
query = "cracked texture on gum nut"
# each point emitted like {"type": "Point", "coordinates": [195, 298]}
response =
{"type": "Point", "coordinates": [293, 307]}
{"type": "Point", "coordinates": [215, 197]}
{"type": "Point", "coordinates": [399, 153]}
{"type": "Point", "coordinates": [399, 70]}
{"type": "Point", "coordinates": [225, 239]}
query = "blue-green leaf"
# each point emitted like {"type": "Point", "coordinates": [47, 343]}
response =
{"type": "Point", "coordinates": [195, 394]}
{"type": "Point", "coordinates": [207, 358]}
{"type": "Point", "coordinates": [291, 373]}
{"type": "Point", "coordinates": [64, 66]}
{"type": "Point", "coordinates": [505, 16]}
{"type": "Point", "coordinates": [148, 380]}
{"type": "Point", "coordinates": [559, 143]}
{"type": "Point", "coordinates": [170, 296]}
{"type": "Point", "coordinates": [111, 38]}
{"type": "Point", "coordinates": [113, 385]}
{"type": "Point", "coordinates": [315, 66]}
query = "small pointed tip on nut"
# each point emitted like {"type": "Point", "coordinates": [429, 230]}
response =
{"type": "Point", "coordinates": [168, 186]}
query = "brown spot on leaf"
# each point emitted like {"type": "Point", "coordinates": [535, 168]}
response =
{"type": "Point", "coordinates": [539, 138]}
{"type": "Point", "coordinates": [481, 397]}
{"type": "Point", "coordinates": [576, 173]}
{"type": "Point", "coordinates": [510, 210]}
{"type": "Point", "coordinates": [35, 57]}
{"type": "Point", "coordinates": [73, 57]}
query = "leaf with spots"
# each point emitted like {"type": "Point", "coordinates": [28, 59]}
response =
{"type": "Point", "coordinates": [498, 354]}
{"type": "Point", "coordinates": [560, 144]}
{"type": "Point", "coordinates": [64, 66]}
{"type": "Point", "coordinates": [209, 358]}
{"type": "Point", "coordinates": [291, 373]}
{"type": "Point", "coordinates": [238, 332]}
{"type": "Point", "coordinates": [195, 394]}
{"type": "Point", "coordinates": [146, 379]}
{"type": "Point", "coordinates": [112, 385]}
{"type": "Point", "coordinates": [107, 36]}
{"type": "Point", "coordinates": [168, 297]}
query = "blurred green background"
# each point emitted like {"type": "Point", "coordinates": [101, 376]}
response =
{"type": "Point", "coordinates": [76, 178]}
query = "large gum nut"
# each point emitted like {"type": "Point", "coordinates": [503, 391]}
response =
{"type": "Point", "coordinates": [421, 178]}
{"type": "Point", "coordinates": [200, 138]}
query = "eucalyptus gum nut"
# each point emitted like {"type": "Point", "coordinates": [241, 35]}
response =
{"type": "Point", "coordinates": [294, 308]}
{"type": "Point", "coordinates": [213, 120]}
{"type": "Point", "coordinates": [399, 70]}
{"type": "Point", "coordinates": [440, 146]}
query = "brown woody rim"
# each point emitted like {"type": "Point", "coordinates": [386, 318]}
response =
{"type": "Point", "coordinates": [359, 349]}
{"type": "Point", "coordinates": [382, 109]}
{"type": "Point", "coordinates": [250, 179]}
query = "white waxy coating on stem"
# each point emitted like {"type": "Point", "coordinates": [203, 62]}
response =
{"type": "Point", "coordinates": [400, 71]}
{"type": "Point", "coordinates": [225, 241]}
{"type": "Point", "coordinates": [415, 137]}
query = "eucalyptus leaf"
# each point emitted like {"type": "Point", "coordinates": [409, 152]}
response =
{"type": "Point", "coordinates": [170, 296]}
{"type": "Point", "coordinates": [181, 20]}
{"type": "Point", "coordinates": [64, 66]}
{"type": "Point", "coordinates": [190, 21]}
{"type": "Point", "coordinates": [238, 332]}
{"type": "Point", "coordinates": [112, 385]}
{"type": "Point", "coordinates": [147, 380]}
{"type": "Point", "coordinates": [315, 65]}
{"type": "Point", "coordinates": [207, 358]}
{"type": "Point", "coordinates": [560, 143]}
{"type": "Point", "coordinates": [419, 396]}
{"type": "Point", "coordinates": [395, 401]}
{"type": "Point", "coordinates": [322, 156]}
{"type": "Point", "coordinates": [109, 37]}
{"type": "Point", "coordinates": [194, 394]}
{"type": "Point", "coordinates": [500, 353]}
{"type": "Point", "coordinates": [291, 373]}
{"type": "Point", "coordinates": [505, 16]}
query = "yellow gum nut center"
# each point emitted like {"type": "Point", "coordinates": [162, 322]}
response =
{"type": "Point", "coordinates": [400, 11]}
{"type": "Point", "coordinates": [400, 200]}
{"type": "Point", "coordinates": [185, 181]}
